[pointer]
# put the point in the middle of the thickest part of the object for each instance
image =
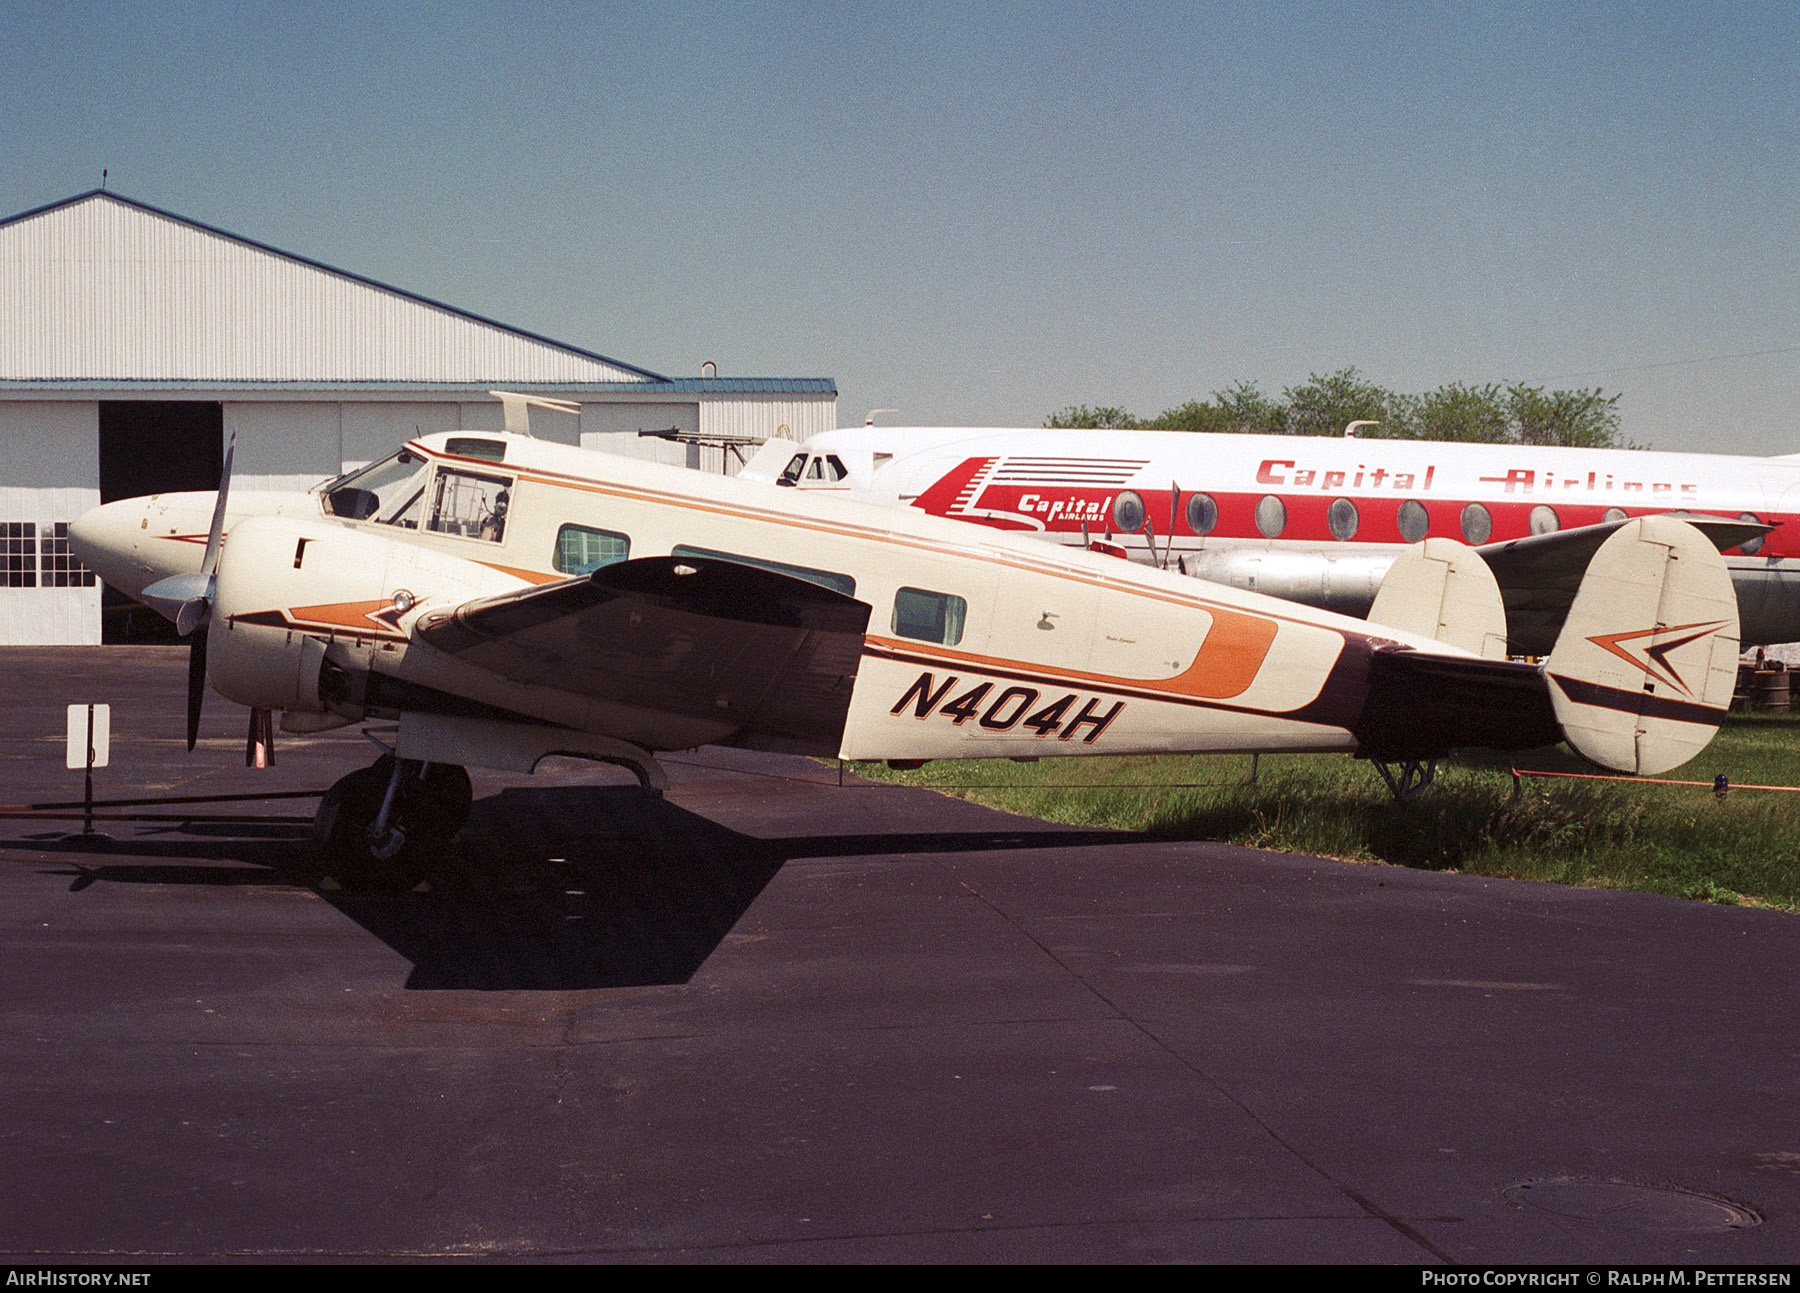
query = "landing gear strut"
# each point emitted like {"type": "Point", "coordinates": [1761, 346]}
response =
{"type": "Point", "coordinates": [1407, 778]}
{"type": "Point", "coordinates": [379, 828]}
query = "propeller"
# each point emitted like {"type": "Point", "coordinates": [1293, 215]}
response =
{"type": "Point", "coordinates": [188, 599]}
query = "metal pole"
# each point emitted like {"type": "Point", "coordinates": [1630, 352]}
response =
{"type": "Point", "coordinates": [87, 824]}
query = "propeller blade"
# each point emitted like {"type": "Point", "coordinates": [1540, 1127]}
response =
{"type": "Point", "coordinates": [196, 688]}
{"type": "Point", "coordinates": [216, 535]}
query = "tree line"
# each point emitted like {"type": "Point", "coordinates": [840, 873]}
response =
{"type": "Point", "coordinates": [1324, 404]}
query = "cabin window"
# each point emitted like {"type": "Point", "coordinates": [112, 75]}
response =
{"type": "Point", "coordinates": [487, 450]}
{"type": "Point", "coordinates": [1613, 514]}
{"type": "Point", "coordinates": [1749, 547]}
{"type": "Point", "coordinates": [1342, 518]}
{"type": "Point", "coordinates": [469, 504]}
{"type": "Point", "coordinates": [790, 474]}
{"type": "Point", "coordinates": [1477, 524]}
{"type": "Point", "coordinates": [824, 578]}
{"type": "Point", "coordinates": [1544, 519]}
{"type": "Point", "coordinates": [581, 550]}
{"type": "Point", "coordinates": [1413, 519]}
{"type": "Point", "coordinates": [1271, 516]}
{"type": "Point", "coordinates": [1202, 514]}
{"type": "Point", "coordinates": [929, 617]}
{"type": "Point", "coordinates": [1128, 513]}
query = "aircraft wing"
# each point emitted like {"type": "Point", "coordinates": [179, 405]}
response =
{"type": "Point", "coordinates": [755, 654]}
{"type": "Point", "coordinates": [1538, 575]}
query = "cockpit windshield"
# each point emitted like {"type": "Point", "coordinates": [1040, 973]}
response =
{"type": "Point", "coordinates": [387, 491]}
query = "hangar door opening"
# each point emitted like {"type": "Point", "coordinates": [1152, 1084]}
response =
{"type": "Point", "coordinates": [154, 447]}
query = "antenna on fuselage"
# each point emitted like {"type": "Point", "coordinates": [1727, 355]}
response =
{"type": "Point", "coordinates": [1350, 428]}
{"type": "Point", "coordinates": [516, 409]}
{"type": "Point", "coordinates": [870, 420]}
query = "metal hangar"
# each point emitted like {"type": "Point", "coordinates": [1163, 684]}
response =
{"type": "Point", "coordinates": [134, 340]}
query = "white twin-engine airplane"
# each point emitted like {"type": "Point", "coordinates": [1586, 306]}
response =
{"type": "Point", "coordinates": [499, 599]}
{"type": "Point", "coordinates": [1319, 520]}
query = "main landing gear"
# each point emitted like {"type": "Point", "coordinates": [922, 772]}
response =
{"type": "Point", "coordinates": [379, 828]}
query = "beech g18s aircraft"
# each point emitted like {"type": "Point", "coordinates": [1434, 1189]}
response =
{"type": "Point", "coordinates": [1319, 520]}
{"type": "Point", "coordinates": [494, 599]}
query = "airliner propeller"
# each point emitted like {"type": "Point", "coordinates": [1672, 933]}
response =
{"type": "Point", "coordinates": [188, 599]}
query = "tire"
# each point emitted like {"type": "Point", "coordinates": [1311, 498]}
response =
{"type": "Point", "coordinates": [341, 834]}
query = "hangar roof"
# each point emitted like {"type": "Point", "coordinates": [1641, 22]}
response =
{"type": "Point", "coordinates": [101, 288]}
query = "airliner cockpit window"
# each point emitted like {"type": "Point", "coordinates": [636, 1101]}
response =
{"type": "Point", "coordinates": [790, 474]}
{"type": "Point", "coordinates": [387, 491]}
{"type": "Point", "coordinates": [469, 504]}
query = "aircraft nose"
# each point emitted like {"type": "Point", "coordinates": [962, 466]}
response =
{"type": "Point", "coordinates": [105, 539]}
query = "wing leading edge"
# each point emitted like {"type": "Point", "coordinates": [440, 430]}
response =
{"type": "Point", "coordinates": [768, 658]}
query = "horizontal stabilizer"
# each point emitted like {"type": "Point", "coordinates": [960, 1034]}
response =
{"type": "Point", "coordinates": [1538, 575]}
{"type": "Point", "coordinates": [1642, 672]}
{"type": "Point", "coordinates": [1442, 589]}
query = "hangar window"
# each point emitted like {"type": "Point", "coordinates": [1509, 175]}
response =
{"type": "Point", "coordinates": [581, 551]}
{"type": "Point", "coordinates": [1477, 524]}
{"type": "Point", "coordinates": [471, 505]}
{"type": "Point", "coordinates": [1414, 521]}
{"type": "Point", "coordinates": [18, 554]}
{"type": "Point", "coordinates": [1544, 519]}
{"type": "Point", "coordinates": [1202, 514]}
{"type": "Point", "coordinates": [1342, 518]}
{"type": "Point", "coordinates": [1128, 512]}
{"type": "Point", "coordinates": [387, 491]}
{"type": "Point", "coordinates": [57, 567]}
{"type": "Point", "coordinates": [824, 578]}
{"type": "Point", "coordinates": [1271, 516]}
{"type": "Point", "coordinates": [929, 617]}
{"type": "Point", "coordinates": [1749, 547]}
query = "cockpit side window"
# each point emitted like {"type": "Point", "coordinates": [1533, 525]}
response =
{"type": "Point", "coordinates": [470, 504]}
{"type": "Point", "coordinates": [791, 473]}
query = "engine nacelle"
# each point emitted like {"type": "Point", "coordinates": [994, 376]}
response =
{"type": "Point", "coordinates": [292, 594]}
{"type": "Point", "coordinates": [1345, 583]}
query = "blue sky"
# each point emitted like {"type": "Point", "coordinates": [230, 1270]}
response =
{"type": "Point", "coordinates": [982, 213]}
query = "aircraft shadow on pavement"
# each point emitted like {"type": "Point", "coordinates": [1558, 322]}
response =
{"type": "Point", "coordinates": [552, 888]}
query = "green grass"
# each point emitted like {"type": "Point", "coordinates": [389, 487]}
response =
{"type": "Point", "coordinates": [1677, 840]}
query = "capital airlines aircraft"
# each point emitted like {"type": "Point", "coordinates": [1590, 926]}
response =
{"type": "Point", "coordinates": [1319, 520]}
{"type": "Point", "coordinates": [487, 599]}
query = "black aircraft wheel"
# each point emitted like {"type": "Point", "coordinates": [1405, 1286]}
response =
{"type": "Point", "coordinates": [342, 829]}
{"type": "Point", "coordinates": [445, 797]}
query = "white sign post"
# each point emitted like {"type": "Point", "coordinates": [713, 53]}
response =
{"type": "Point", "coordinates": [90, 742]}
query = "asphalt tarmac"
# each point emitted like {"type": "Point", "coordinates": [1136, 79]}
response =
{"type": "Point", "coordinates": [772, 1019]}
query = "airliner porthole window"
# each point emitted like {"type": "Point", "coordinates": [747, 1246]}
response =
{"type": "Point", "coordinates": [1750, 547]}
{"type": "Point", "coordinates": [1477, 524]}
{"type": "Point", "coordinates": [1202, 514]}
{"type": "Point", "coordinates": [1414, 520]}
{"type": "Point", "coordinates": [1614, 514]}
{"type": "Point", "coordinates": [1544, 519]}
{"type": "Point", "coordinates": [1342, 518]}
{"type": "Point", "coordinates": [1271, 516]}
{"type": "Point", "coordinates": [1128, 513]}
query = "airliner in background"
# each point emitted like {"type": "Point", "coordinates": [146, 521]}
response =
{"type": "Point", "coordinates": [1319, 520]}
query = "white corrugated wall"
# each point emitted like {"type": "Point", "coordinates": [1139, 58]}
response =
{"type": "Point", "coordinates": [101, 289]}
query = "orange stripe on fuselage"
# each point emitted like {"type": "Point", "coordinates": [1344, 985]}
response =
{"type": "Point", "coordinates": [1224, 667]}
